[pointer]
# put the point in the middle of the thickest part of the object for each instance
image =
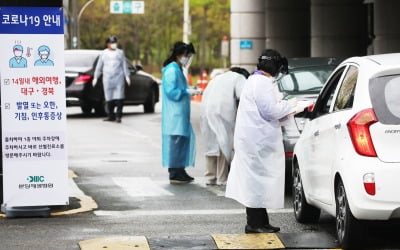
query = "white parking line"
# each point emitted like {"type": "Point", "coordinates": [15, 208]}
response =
{"type": "Point", "coordinates": [132, 213]}
{"type": "Point", "coordinates": [140, 187]}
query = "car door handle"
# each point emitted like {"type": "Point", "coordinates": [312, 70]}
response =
{"type": "Point", "coordinates": [316, 133]}
{"type": "Point", "coordinates": [337, 126]}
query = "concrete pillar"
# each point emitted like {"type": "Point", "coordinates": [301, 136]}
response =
{"type": "Point", "coordinates": [386, 26]}
{"type": "Point", "coordinates": [338, 28]}
{"type": "Point", "coordinates": [247, 32]}
{"type": "Point", "coordinates": [287, 27]}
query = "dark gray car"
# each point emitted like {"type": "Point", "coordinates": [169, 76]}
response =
{"type": "Point", "coordinates": [79, 71]}
{"type": "Point", "coordinates": [304, 81]}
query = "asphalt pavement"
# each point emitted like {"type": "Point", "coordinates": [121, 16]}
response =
{"type": "Point", "coordinates": [120, 198]}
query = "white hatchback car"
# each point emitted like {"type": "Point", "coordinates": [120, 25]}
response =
{"type": "Point", "coordinates": [347, 159]}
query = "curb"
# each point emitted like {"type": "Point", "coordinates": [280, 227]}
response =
{"type": "Point", "coordinates": [79, 202]}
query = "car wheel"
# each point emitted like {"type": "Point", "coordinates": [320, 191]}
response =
{"type": "Point", "coordinates": [149, 105]}
{"type": "Point", "coordinates": [86, 109]}
{"type": "Point", "coordinates": [348, 228]}
{"type": "Point", "coordinates": [100, 109]}
{"type": "Point", "coordinates": [303, 212]}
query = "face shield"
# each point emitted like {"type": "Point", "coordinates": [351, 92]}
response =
{"type": "Point", "coordinates": [283, 69]}
{"type": "Point", "coordinates": [186, 60]}
{"type": "Point", "coordinates": [190, 60]}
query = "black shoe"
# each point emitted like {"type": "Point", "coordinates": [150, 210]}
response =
{"type": "Point", "coordinates": [118, 120]}
{"type": "Point", "coordinates": [250, 230]}
{"type": "Point", "coordinates": [275, 229]}
{"type": "Point", "coordinates": [180, 179]}
{"type": "Point", "coordinates": [109, 119]}
{"type": "Point", "coordinates": [188, 176]}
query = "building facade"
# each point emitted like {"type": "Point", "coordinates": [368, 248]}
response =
{"type": "Point", "coordinates": [313, 28]}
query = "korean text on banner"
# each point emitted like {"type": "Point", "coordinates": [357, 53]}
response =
{"type": "Point", "coordinates": [33, 109]}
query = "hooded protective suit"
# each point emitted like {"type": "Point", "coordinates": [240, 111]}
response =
{"type": "Point", "coordinates": [113, 66]}
{"type": "Point", "coordinates": [257, 174]}
{"type": "Point", "coordinates": [178, 139]}
{"type": "Point", "coordinates": [219, 106]}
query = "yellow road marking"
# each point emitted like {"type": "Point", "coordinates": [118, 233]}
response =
{"type": "Point", "coordinates": [71, 174]}
{"type": "Point", "coordinates": [87, 204]}
{"type": "Point", "coordinates": [118, 242]}
{"type": "Point", "coordinates": [248, 241]}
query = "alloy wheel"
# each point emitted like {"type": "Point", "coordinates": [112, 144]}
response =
{"type": "Point", "coordinates": [341, 215]}
{"type": "Point", "coordinates": [297, 191]}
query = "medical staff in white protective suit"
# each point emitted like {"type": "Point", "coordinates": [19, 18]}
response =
{"type": "Point", "coordinates": [257, 175]}
{"type": "Point", "coordinates": [219, 106]}
{"type": "Point", "coordinates": [115, 72]}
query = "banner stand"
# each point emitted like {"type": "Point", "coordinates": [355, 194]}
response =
{"type": "Point", "coordinates": [28, 183]}
{"type": "Point", "coordinates": [12, 212]}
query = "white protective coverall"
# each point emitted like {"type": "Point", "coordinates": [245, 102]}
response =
{"type": "Point", "coordinates": [113, 66]}
{"type": "Point", "coordinates": [257, 174]}
{"type": "Point", "coordinates": [219, 106]}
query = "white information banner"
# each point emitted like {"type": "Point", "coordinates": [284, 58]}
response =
{"type": "Point", "coordinates": [33, 108]}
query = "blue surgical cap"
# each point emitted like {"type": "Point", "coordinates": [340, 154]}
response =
{"type": "Point", "coordinates": [44, 48]}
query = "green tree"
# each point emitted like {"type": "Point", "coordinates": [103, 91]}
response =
{"type": "Point", "coordinates": [210, 22]}
{"type": "Point", "coordinates": [148, 38]}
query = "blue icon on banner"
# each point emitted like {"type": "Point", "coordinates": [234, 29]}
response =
{"type": "Point", "coordinates": [44, 53]}
{"type": "Point", "coordinates": [18, 61]}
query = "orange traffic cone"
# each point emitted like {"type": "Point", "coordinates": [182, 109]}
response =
{"type": "Point", "coordinates": [201, 85]}
{"type": "Point", "coordinates": [197, 98]}
{"type": "Point", "coordinates": [203, 80]}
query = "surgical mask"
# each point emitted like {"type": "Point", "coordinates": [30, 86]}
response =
{"type": "Point", "coordinates": [184, 60]}
{"type": "Point", "coordinates": [44, 56]}
{"type": "Point", "coordinates": [114, 46]}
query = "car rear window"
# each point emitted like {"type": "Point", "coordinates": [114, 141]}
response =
{"type": "Point", "coordinates": [80, 60]}
{"type": "Point", "coordinates": [385, 98]}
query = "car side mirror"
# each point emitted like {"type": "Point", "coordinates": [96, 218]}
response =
{"type": "Point", "coordinates": [308, 112]}
{"type": "Point", "coordinates": [311, 108]}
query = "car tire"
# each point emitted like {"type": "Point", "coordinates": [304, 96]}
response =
{"type": "Point", "coordinates": [100, 109]}
{"type": "Point", "coordinates": [149, 105]}
{"type": "Point", "coordinates": [349, 230]}
{"type": "Point", "coordinates": [303, 212]}
{"type": "Point", "coordinates": [86, 109]}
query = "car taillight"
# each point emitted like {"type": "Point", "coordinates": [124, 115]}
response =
{"type": "Point", "coordinates": [288, 154]}
{"type": "Point", "coordinates": [82, 79]}
{"type": "Point", "coordinates": [359, 132]}
{"type": "Point", "coordinates": [369, 183]}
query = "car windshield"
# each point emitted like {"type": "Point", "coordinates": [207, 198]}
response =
{"type": "Point", "coordinates": [305, 80]}
{"type": "Point", "coordinates": [80, 60]}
